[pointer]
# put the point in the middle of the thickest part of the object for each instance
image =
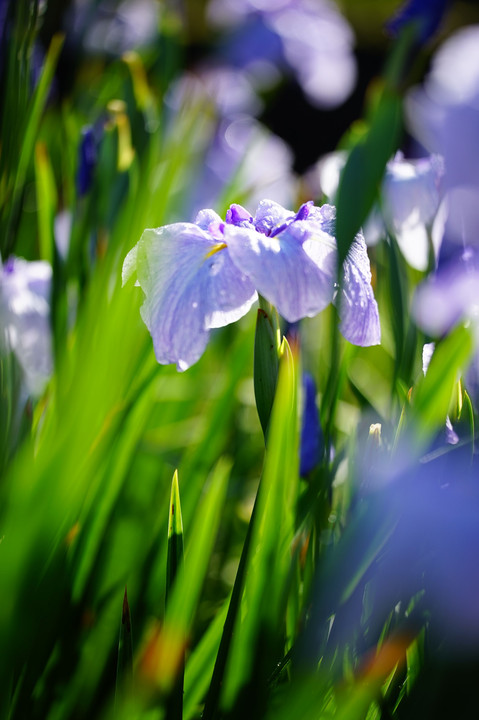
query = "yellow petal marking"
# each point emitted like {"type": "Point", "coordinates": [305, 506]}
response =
{"type": "Point", "coordinates": [216, 248]}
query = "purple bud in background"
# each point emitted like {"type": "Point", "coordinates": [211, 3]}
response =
{"type": "Point", "coordinates": [312, 444]}
{"type": "Point", "coordinates": [87, 160]}
{"type": "Point", "coordinates": [427, 14]}
{"type": "Point", "coordinates": [3, 16]}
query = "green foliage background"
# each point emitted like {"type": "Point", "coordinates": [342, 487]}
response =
{"type": "Point", "coordinates": [87, 472]}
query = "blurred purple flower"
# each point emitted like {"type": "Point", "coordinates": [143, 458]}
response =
{"type": "Point", "coordinates": [204, 275]}
{"type": "Point", "coordinates": [448, 296]}
{"type": "Point", "coordinates": [312, 443]}
{"type": "Point", "coordinates": [434, 511]}
{"type": "Point", "coordinates": [237, 149]}
{"type": "Point", "coordinates": [87, 160]}
{"type": "Point", "coordinates": [444, 116]}
{"type": "Point", "coordinates": [310, 38]}
{"type": "Point", "coordinates": [248, 155]}
{"type": "Point", "coordinates": [25, 318]}
{"type": "Point", "coordinates": [413, 534]}
{"type": "Point", "coordinates": [428, 15]}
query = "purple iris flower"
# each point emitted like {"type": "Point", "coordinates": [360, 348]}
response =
{"type": "Point", "coordinates": [204, 275]}
{"type": "Point", "coordinates": [25, 319]}
{"type": "Point", "coordinates": [191, 286]}
{"type": "Point", "coordinates": [291, 258]}
{"type": "Point", "coordinates": [428, 14]}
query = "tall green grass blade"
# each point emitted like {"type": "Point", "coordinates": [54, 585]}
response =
{"type": "Point", "coordinates": [174, 563]}
{"type": "Point", "coordinates": [434, 392]}
{"type": "Point", "coordinates": [163, 658]}
{"type": "Point", "coordinates": [266, 364]}
{"type": "Point", "coordinates": [46, 201]}
{"type": "Point", "coordinates": [257, 644]}
{"type": "Point", "coordinates": [175, 538]}
{"type": "Point", "coordinates": [362, 174]}
{"type": "Point", "coordinates": [199, 668]}
{"type": "Point", "coordinates": [124, 669]}
{"type": "Point", "coordinates": [34, 114]}
{"type": "Point", "coordinates": [212, 709]}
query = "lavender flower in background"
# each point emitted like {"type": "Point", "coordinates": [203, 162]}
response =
{"type": "Point", "coordinates": [114, 28]}
{"type": "Point", "coordinates": [427, 14]}
{"type": "Point", "coordinates": [449, 296]}
{"type": "Point", "coordinates": [25, 319]}
{"type": "Point", "coordinates": [444, 116]}
{"type": "Point", "coordinates": [410, 198]}
{"type": "Point", "coordinates": [414, 532]}
{"type": "Point", "coordinates": [309, 38]}
{"type": "Point", "coordinates": [244, 153]}
{"type": "Point", "coordinates": [434, 511]}
{"type": "Point", "coordinates": [204, 275]}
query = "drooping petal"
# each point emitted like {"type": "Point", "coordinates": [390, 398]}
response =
{"type": "Point", "coordinates": [293, 270]}
{"type": "Point", "coordinates": [129, 265]}
{"type": "Point", "coordinates": [357, 307]}
{"type": "Point", "coordinates": [190, 286]}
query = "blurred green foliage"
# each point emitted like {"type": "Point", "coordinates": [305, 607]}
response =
{"type": "Point", "coordinates": [86, 475]}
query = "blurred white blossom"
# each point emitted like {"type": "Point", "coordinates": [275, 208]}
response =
{"type": "Point", "coordinates": [25, 319]}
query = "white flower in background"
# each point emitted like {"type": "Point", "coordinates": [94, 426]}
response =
{"type": "Point", "coordinates": [411, 196]}
{"type": "Point", "coordinates": [444, 116]}
{"type": "Point", "coordinates": [410, 199]}
{"type": "Point", "coordinates": [25, 319]}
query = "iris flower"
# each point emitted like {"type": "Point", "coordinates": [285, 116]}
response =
{"type": "Point", "coordinates": [204, 275]}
